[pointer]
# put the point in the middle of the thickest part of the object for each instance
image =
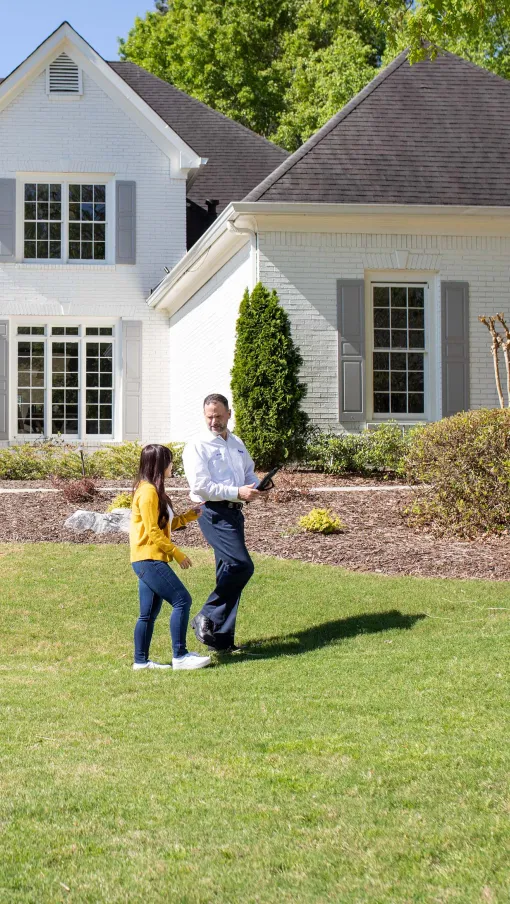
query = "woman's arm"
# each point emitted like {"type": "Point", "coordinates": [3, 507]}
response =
{"type": "Point", "coordinates": [184, 519]}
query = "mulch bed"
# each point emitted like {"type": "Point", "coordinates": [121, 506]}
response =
{"type": "Point", "coordinates": [376, 538]}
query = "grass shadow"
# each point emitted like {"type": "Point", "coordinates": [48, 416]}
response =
{"type": "Point", "coordinates": [330, 632]}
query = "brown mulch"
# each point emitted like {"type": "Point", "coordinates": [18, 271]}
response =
{"type": "Point", "coordinates": [376, 538]}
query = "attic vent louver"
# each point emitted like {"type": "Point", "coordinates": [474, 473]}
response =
{"type": "Point", "coordinates": [64, 76]}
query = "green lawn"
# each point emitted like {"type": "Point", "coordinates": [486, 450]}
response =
{"type": "Point", "coordinates": [361, 757]}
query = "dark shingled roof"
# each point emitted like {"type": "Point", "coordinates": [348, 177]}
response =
{"type": "Point", "coordinates": [437, 132]}
{"type": "Point", "coordinates": [238, 159]}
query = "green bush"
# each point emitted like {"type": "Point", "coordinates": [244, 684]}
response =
{"type": "Point", "coordinates": [466, 461]}
{"type": "Point", "coordinates": [378, 451]}
{"type": "Point", "coordinates": [121, 500]}
{"type": "Point", "coordinates": [40, 460]}
{"type": "Point", "coordinates": [265, 381]}
{"type": "Point", "coordinates": [321, 521]}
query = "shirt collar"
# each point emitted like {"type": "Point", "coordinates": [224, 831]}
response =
{"type": "Point", "coordinates": [208, 437]}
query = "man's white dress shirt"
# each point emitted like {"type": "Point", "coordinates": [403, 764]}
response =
{"type": "Point", "coordinates": [215, 468]}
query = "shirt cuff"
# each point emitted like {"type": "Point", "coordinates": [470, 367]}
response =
{"type": "Point", "coordinates": [232, 493]}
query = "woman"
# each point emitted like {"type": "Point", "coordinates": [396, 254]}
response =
{"type": "Point", "coordinates": [151, 550]}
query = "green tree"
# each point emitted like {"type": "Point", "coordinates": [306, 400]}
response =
{"type": "Point", "coordinates": [266, 391]}
{"type": "Point", "coordinates": [280, 67]}
{"type": "Point", "coordinates": [478, 30]}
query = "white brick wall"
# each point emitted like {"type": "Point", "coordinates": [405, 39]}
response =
{"type": "Point", "coordinates": [303, 267]}
{"type": "Point", "coordinates": [202, 340]}
{"type": "Point", "coordinates": [93, 135]}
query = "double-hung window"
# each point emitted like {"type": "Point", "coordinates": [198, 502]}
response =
{"type": "Point", "coordinates": [65, 221]}
{"type": "Point", "coordinates": [398, 371]}
{"type": "Point", "coordinates": [65, 381]}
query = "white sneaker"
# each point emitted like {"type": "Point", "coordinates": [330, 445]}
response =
{"type": "Point", "coordinates": [149, 665]}
{"type": "Point", "coordinates": [191, 661]}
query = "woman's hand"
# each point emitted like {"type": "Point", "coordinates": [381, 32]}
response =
{"type": "Point", "coordinates": [186, 563]}
{"type": "Point", "coordinates": [198, 508]}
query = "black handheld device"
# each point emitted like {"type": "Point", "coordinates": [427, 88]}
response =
{"type": "Point", "coordinates": [267, 481]}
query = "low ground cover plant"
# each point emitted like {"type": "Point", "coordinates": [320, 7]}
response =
{"type": "Point", "coordinates": [465, 460]}
{"type": "Point", "coordinates": [121, 500]}
{"type": "Point", "coordinates": [375, 451]}
{"type": "Point", "coordinates": [41, 460]}
{"type": "Point", "coordinates": [321, 521]}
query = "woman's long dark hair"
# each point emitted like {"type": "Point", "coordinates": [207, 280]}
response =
{"type": "Point", "coordinates": [154, 461]}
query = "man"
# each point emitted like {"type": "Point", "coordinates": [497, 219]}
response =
{"type": "Point", "coordinates": [221, 474]}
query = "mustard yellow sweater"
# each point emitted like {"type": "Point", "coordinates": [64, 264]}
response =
{"type": "Point", "coordinates": [147, 540]}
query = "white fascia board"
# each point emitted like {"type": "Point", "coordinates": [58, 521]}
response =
{"type": "Point", "coordinates": [218, 244]}
{"type": "Point", "coordinates": [214, 248]}
{"type": "Point", "coordinates": [182, 156]}
{"type": "Point", "coordinates": [328, 210]}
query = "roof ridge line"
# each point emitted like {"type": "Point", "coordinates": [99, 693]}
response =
{"type": "Point", "coordinates": [285, 167]}
{"type": "Point", "coordinates": [202, 104]}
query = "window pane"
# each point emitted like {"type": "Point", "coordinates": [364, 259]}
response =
{"type": "Point", "coordinates": [416, 297]}
{"type": "Point", "coordinates": [55, 192]}
{"type": "Point", "coordinates": [399, 381]}
{"type": "Point", "coordinates": [87, 212]}
{"type": "Point", "coordinates": [29, 250]}
{"type": "Point", "coordinates": [100, 193]}
{"type": "Point", "coordinates": [74, 211]}
{"type": "Point", "coordinates": [92, 427]}
{"type": "Point", "coordinates": [99, 251]}
{"type": "Point", "coordinates": [74, 232]}
{"type": "Point", "coordinates": [91, 331]}
{"type": "Point", "coordinates": [381, 338]}
{"type": "Point", "coordinates": [42, 211]}
{"type": "Point", "coordinates": [416, 339]}
{"type": "Point", "coordinates": [106, 331]}
{"type": "Point", "coordinates": [381, 403]}
{"type": "Point", "coordinates": [30, 230]}
{"type": "Point", "coordinates": [55, 250]}
{"type": "Point", "coordinates": [415, 382]}
{"type": "Point", "coordinates": [381, 318]}
{"type": "Point", "coordinates": [416, 403]}
{"type": "Point", "coordinates": [43, 192]}
{"type": "Point", "coordinates": [398, 403]}
{"type": "Point", "coordinates": [74, 193]}
{"type": "Point", "coordinates": [42, 231]}
{"type": "Point", "coordinates": [87, 232]}
{"type": "Point", "coordinates": [105, 427]}
{"type": "Point", "coordinates": [381, 296]}
{"type": "Point", "coordinates": [55, 211]}
{"type": "Point", "coordinates": [415, 362]}
{"type": "Point", "coordinates": [99, 212]}
{"type": "Point", "coordinates": [74, 250]}
{"type": "Point", "coordinates": [55, 231]}
{"type": "Point", "coordinates": [86, 251]}
{"type": "Point", "coordinates": [398, 297]}
{"type": "Point", "coordinates": [398, 319]}
{"type": "Point", "coordinates": [416, 319]}
{"type": "Point", "coordinates": [99, 232]}
{"type": "Point", "coordinates": [381, 381]}
{"type": "Point", "coordinates": [30, 211]}
{"type": "Point", "coordinates": [87, 193]}
{"type": "Point", "coordinates": [30, 191]}
{"type": "Point", "coordinates": [399, 338]}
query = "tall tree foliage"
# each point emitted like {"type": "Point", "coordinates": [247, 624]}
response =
{"type": "Point", "coordinates": [283, 67]}
{"type": "Point", "coordinates": [266, 391]}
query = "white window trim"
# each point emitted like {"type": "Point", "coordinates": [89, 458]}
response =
{"type": "Point", "coordinates": [432, 346]}
{"type": "Point", "coordinates": [48, 322]}
{"type": "Point", "coordinates": [65, 180]}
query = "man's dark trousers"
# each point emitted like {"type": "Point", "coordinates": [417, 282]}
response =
{"type": "Point", "coordinates": [223, 528]}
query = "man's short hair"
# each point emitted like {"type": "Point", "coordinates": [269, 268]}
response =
{"type": "Point", "coordinates": [216, 397]}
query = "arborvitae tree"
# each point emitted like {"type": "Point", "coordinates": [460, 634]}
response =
{"type": "Point", "coordinates": [266, 391]}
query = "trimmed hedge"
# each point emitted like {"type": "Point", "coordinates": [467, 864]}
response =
{"type": "Point", "coordinates": [466, 461]}
{"type": "Point", "coordinates": [379, 451]}
{"type": "Point", "coordinates": [40, 460]}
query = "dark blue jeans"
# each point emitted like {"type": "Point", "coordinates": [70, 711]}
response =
{"type": "Point", "coordinates": [157, 582]}
{"type": "Point", "coordinates": [223, 528]}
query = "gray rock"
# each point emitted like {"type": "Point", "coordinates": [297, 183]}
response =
{"type": "Point", "coordinates": [109, 523]}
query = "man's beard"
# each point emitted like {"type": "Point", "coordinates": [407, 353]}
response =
{"type": "Point", "coordinates": [218, 430]}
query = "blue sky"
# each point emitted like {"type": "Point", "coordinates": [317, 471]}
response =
{"type": "Point", "coordinates": [25, 23]}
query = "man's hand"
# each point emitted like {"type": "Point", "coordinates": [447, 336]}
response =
{"type": "Point", "coordinates": [248, 493]}
{"type": "Point", "coordinates": [186, 563]}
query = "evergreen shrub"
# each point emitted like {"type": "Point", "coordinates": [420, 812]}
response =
{"type": "Point", "coordinates": [380, 451]}
{"type": "Point", "coordinates": [466, 461]}
{"type": "Point", "coordinates": [121, 500]}
{"type": "Point", "coordinates": [40, 460]}
{"type": "Point", "coordinates": [266, 391]}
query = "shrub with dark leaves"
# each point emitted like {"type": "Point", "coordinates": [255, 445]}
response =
{"type": "Point", "coordinates": [82, 490]}
{"type": "Point", "coordinates": [466, 461]}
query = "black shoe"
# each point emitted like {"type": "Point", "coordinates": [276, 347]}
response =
{"type": "Point", "coordinates": [204, 629]}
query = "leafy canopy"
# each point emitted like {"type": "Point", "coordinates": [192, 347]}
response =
{"type": "Point", "coordinates": [284, 67]}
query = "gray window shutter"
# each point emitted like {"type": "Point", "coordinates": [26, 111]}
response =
{"type": "Point", "coordinates": [132, 379]}
{"type": "Point", "coordinates": [7, 219]}
{"type": "Point", "coordinates": [455, 346]}
{"type": "Point", "coordinates": [351, 349]}
{"type": "Point", "coordinates": [125, 232]}
{"type": "Point", "coordinates": [4, 379]}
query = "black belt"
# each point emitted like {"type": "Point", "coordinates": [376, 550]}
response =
{"type": "Point", "coordinates": [230, 505]}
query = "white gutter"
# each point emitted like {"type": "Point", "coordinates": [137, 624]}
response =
{"type": "Point", "coordinates": [223, 238]}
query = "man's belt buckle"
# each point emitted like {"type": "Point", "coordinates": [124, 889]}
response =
{"type": "Point", "coordinates": [235, 505]}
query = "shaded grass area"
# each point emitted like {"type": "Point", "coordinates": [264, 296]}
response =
{"type": "Point", "coordinates": [358, 752]}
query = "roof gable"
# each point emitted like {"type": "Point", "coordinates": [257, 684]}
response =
{"type": "Point", "coordinates": [436, 132]}
{"type": "Point", "coordinates": [66, 39]}
{"type": "Point", "coordinates": [237, 158]}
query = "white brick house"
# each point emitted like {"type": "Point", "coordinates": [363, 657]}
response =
{"type": "Point", "coordinates": [95, 191]}
{"type": "Point", "coordinates": [385, 235]}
